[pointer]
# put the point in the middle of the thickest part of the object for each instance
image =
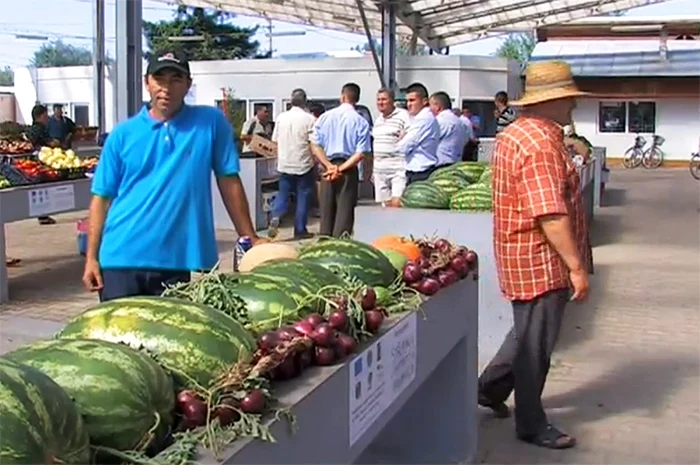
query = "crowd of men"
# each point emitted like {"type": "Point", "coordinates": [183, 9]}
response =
{"type": "Point", "coordinates": [340, 147]}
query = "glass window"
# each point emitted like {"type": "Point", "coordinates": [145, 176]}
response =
{"type": "Point", "coordinates": [612, 117]}
{"type": "Point", "coordinates": [81, 115]}
{"type": "Point", "coordinates": [483, 113]}
{"type": "Point", "coordinates": [642, 117]}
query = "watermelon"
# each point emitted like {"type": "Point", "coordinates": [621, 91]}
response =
{"type": "Point", "coordinates": [39, 423]}
{"type": "Point", "coordinates": [471, 169]}
{"type": "Point", "coordinates": [309, 276]}
{"type": "Point", "coordinates": [423, 194]}
{"type": "Point", "coordinates": [122, 393]}
{"type": "Point", "coordinates": [191, 340]}
{"type": "Point", "coordinates": [450, 184]}
{"type": "Point", "coordinates": [485, 177]}
{"type": "Point", "coordinates": [474, 198]}
{"type": "Point", "coordinates": [348, 257]}
{"type": "Point", "coordinates": [398, 260]}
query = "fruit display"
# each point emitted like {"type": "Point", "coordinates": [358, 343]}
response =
{"type": "Point", "coordinates": [4, 182]}
{"type": "Point", "coordinates": [15, 146]}
{"type": "Point", "coordinates": [35, 171]}
{"type": "Point", "coordinates": [155, 378]}
{"type": "Point", "coordinates": [58, 158]}
{"type": "Point", "coordinates": [39, 423]}
{"type": "Point", "coordinates": [464, 186]}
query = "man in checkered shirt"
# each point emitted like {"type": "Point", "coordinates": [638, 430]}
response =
{"type": "Point", "coordinates": [541, 248]}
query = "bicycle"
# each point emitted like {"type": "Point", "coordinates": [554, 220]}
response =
{"type": "Point", "coordinates": [695, 165]}
{"type": "Point", "coordinates": [653, 157]}
{"type": "Point", "coordinates": [634, 155]}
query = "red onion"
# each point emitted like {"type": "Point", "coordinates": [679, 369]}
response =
{"type": "Point", "coordinates": [472, 258]}
{"type": "Point", "coordinates": [287, 333]}
{"type": "Point", "coordinates": [443, 245]}
{"type": "Point", "coordinates": [304, 328]}
{"type": "Point", "coordinates": [412, 273]}
{"type": "Point", "coordinates": [373, 320]}
{"type": "Point", "coordinates": [288, 369]}
{"type": "Point", "coordinates": [305, 359]}
{"type": "Point", "coordinates": [423, 263]}
{"type": "Point", "coordinates": [447, 277]}
{"type": "Point", "coordinates": [323, 335]}
{"type": "Point", "coordinates": [192, 408]}
{"type": "Point", "coordinates": [339, 303]}
{"type": "Point", "coordinates": [268, 341]}
{"type": "Point", "coordinates": [314, 319]}
{"type": "Point", "coordinates": [324, 356]}
{"type": "Point", "coordinates": [339, 320]}
{"type": "Point", "coordinates": [460, 266]}
{"type": "Point", "coordinates": [226, 414]}
{"type": "Point", "coordinates": [253, 402]}
{"type": "Point", "coordinates": [345, 345]}
{"type": "Point", "coordinates": [428, 286]}
{"type": "Point", "coordinates": [369, 298]}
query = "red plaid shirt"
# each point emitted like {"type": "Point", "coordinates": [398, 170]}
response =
{"type": "Point", "coordinates": [533, 176]}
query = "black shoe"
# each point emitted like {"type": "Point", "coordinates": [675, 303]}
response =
{"type": "Point", "coordinates": [302, 236]}
{"type": "Point", "coordinates": [500, 410]}
{"type": "Point", "coordinates": [46, 220]}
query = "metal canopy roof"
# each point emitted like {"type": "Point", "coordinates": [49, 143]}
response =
{"type": "Point", "coordinates": [437, 23]}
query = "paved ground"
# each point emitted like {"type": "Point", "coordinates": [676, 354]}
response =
{"type": "Point", "coordinates": [626, 377]}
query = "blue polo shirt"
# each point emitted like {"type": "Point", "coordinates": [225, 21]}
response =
{"type": "Point", "coordinates": [158, 176]}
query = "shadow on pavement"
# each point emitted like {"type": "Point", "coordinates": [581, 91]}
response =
{"type": "Point", "coordinates": [613, 197]}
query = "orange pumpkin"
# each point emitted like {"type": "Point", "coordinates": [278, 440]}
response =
{"type": "Point", "coordinates": [405, 247]}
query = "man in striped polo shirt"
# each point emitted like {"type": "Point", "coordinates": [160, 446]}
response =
{"type": "Point", "coordinates": [504, 113]}
{"type": "Point", "coordinates": [389, 174]}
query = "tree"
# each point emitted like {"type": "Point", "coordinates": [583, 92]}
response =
{"type": "Point", "coordinates": [220, 39]}
{"type": "Point", "coordinates": [59, 54]}
{"type": "Point", "coordinates": [403, 47]}
{"type": "Point", "coordinates": [517, 47]}
{"type": "Point", "coordinates": [7, 77]}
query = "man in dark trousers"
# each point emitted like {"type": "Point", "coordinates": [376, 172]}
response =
{"type": "Point", "coordinates": [341, 139]}
{"type": "Point", "coordinates": [38, 135]}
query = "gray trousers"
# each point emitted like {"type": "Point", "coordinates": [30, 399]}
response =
{"type": "Point", "coordinates": [522, 362]}
{"type": "Point", "coordinates": [338, 200]}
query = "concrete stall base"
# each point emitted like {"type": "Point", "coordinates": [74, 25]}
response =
{"type": "Point", "coordinates": [422, 409]}
{"type": "Point", "coordinates": [473, 230]}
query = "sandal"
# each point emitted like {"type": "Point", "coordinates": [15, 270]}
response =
{"type": "Point", "coordinates": [550, 438]}
{"type": "Point", "coordinates": [10, 262]}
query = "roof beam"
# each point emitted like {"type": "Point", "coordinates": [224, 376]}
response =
{"type": "Point", "coordinates": [531, 19]}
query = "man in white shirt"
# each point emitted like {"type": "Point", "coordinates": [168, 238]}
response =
{"type": "Point", "coordinates": [295, 163]}
{"type": "Point", "coordinates": [389, 173]}
{"type": "Point", "coordinates": [419, 144]}
{"type": "Point", "coordinates": [453, 133]}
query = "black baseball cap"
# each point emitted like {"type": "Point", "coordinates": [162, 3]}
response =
{"type": "Point", "coordinates": [175, 61]}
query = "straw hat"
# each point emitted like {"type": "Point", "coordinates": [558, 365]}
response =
{"type": "Point", "coordinates": [548, 80]}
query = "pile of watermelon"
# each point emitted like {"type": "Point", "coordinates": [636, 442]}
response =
{"type": "Point", "coordinates": [140, 377]}
{"type": "Point", "coordinates": [464, 186]}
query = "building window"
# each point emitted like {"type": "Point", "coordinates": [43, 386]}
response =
{"type": "Point", "coordinates": [642, 117]}
{"type": "Point", "coordinates": [612, 117]}
{"type": "Point", "coordinates": [483, 111]}
{"type": "Point", "coordinates": [81, 115]}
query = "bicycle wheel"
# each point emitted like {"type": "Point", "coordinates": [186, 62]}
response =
{"type": "Point", "coordinates": [695, 166]}
{"type": "Point", "coordinates": [652, 158]}
{"type": "Point", "coordinates": [632, 158]}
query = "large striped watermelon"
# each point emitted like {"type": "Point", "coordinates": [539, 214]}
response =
{"type": "Point", "coordinates": [476, 198]}
{"type": "Point", "coordinates": [309, 276]}
{"type": "Point", "coordinates": [471, 169]}
{"type": "Point", "coordinates": [423, 194]}
{"type": "Point", "coordinates": [122, 393]}
{"type": "Point", "coordinates": [450, 184]}
{"type": "Point", "coordinates": [351, 258]}
{"type": "Point", "coordinates": [39, 423]}
{"type": "Point", "coordinates": [191, 340]}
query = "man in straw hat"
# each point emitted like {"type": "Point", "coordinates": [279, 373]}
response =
{"type": "Point", "coordinates": [540, 247]}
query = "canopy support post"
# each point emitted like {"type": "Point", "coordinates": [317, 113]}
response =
{"type": "Point", "coordinates": [129, 78]}
{"type": "Point", "coordinates": [370, 42]}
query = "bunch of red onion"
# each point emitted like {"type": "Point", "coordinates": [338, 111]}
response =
{"type": "Point", "coordinates": [441, 264]}
{"type": "Point", "coordinates": [193, 410]}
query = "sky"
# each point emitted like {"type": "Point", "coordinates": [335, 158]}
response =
{"type": "Point", "coordinates": [71, 21]}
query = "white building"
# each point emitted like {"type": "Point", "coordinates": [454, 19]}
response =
{"type": "Point", "coordinates": [470, 81]}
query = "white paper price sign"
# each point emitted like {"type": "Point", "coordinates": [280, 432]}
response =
{"type": "Point", "coordinates": [380, 374]}
{"type": "Point", "coordinates": [47, 200]}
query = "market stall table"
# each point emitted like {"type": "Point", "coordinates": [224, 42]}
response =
{"type": "Point", "coordinates": [21, 203]}
{"type": "Point", "coordinates": [474, 230]}
{"type": "Point", "coordinates": [420, 408]}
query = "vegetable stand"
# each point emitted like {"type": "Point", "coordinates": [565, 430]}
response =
{"type": "Point", "coordinates": [475, 229]}
{"type": "Point", "coordinates": [421, 409]}
{"type": "Point", "coordinates": [20, 203]}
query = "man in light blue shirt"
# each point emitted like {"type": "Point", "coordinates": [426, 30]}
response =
{"type": "Point", "coordinates": [453, 133]}
{"type": "Point", "coordinates": [151, 219]}
{"type": "Point", "coordinates": [419, 143]}
{"type": "Point", "coordinates": [342, 138]}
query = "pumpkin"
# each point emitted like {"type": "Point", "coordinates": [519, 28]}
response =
{"type": "Point", "coordinates": [265, 253]}
{"type": "Point", "coordinates": [405, 247]}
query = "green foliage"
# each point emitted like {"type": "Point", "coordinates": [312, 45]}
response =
{"type": "Point", "coordinates": [7, 77]}
{"type": "Point", "coordinates": [403, 48]}
{"type": "Point", "coordinates": [234, 114]}
{"type": "Point", "coordinates": [517, 47]}
{"type": "Point", "coordinates": [220, 39]}
{"type": "Point", "coordinates": [59, 54]}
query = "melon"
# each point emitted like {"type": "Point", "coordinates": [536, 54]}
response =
{"type": "Point", "coordinates": [397, 259]}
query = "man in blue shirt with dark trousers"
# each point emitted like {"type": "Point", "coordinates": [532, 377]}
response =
{"type": "Point", "coordinates": [342, 137]}
{"type": "Point", "coordinates": [151, 219]}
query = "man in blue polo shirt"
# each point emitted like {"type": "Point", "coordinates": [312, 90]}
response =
{"type": "Point", "coordinates": [151, 220]}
